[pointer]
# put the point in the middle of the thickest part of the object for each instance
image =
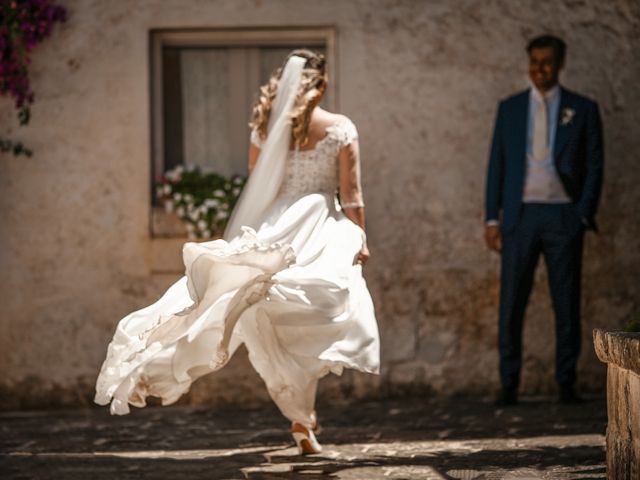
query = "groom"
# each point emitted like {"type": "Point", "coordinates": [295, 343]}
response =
{"type": "Point", "coordinates": [543, 184]}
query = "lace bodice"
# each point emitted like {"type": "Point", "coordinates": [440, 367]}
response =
{"type": "Point", "coordinates": [316, 170]}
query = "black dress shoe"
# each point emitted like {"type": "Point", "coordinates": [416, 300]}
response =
{"type": "Point", "coordinates": [507, 397]}
{"type": "Point", "coordinates": [568, 395]}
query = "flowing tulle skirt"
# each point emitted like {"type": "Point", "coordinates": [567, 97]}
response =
{"type": "Point", "coordinates": [290, 291]}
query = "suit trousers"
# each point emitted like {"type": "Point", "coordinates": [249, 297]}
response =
{"type": "Point", "coordinates": [555, 231]}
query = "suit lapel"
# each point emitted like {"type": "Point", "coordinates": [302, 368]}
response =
{"type": "Point", "coordinates": [562, 131]}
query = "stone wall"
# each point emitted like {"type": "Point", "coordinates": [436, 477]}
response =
{"type": "Point", "coordinates": [420, 79]}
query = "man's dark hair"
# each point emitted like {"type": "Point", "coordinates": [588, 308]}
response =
{"type": "Point", "coordinates": [546, 41]}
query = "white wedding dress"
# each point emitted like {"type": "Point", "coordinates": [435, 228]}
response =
{"type": "Point", "coordinates": [290, 290]}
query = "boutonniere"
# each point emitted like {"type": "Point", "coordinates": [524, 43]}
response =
{"type": "Point", "coordinates": [567, 116]}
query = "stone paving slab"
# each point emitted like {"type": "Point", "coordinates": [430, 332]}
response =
{"type": "Point", "coordinates": [451, 439]}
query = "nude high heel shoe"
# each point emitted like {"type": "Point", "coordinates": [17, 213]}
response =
{"type": "Point", "coordinates": [305, 440]}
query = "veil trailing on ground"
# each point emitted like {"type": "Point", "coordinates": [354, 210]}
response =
{"type": "Point", "coordinates": [266, 178]}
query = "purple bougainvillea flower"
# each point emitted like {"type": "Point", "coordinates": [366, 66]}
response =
{"type": "Point", "coordinates": [23, 25]}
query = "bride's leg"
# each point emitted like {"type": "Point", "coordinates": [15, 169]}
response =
{"type": "Point", "coordinates": [297, 404]}
{"type": "Point", "coordinates": [291, 383]}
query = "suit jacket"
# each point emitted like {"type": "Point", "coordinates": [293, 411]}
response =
{"type": "Point", "coordinates": [578, 157]}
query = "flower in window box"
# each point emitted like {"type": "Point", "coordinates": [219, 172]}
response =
{"type": "Point", "coordinates": [201, 200]}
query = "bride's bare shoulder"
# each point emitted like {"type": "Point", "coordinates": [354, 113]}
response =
{"type": "Point", "coordinates": [326, 119]}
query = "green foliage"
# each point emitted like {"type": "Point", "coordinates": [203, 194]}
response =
{"type": "Point", "coordinates": [24, 24]}
{"type": "Point", "coordinates": [633, 325]}
{"type": "Point", "coordinates": [203, 201]}
{"type": "Point", "coordinates": [17, 148]}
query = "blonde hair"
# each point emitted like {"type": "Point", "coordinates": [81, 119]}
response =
{"type": "Point", "coordinates": [312, 87]}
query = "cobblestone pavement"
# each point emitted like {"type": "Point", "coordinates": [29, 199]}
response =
{"type": "Point", "coordinates": [408, 439]}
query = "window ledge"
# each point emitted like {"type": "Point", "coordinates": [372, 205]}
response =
{"type": "Point", "coordinates": [168, 235]}
{"type": "Point", "coordinates": [166, 225]}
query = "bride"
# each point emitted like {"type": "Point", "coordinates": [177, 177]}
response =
{"type": "Point", "coordinates": [286, 280]}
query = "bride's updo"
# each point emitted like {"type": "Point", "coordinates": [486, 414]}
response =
{"type": "Point", "coordinates": [312, 87]}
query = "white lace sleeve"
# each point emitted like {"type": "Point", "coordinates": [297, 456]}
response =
{"type": "Point", "coordinates": [255, 138]}
{"type": "Point", "coordinates": [349, 167]}
{"type": "Point", "coordinates": [344, 132]}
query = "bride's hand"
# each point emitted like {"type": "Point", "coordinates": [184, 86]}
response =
{"type": "Point", "coordinates": [363, 255]}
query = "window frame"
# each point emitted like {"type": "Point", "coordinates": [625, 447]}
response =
{"type": "Point", "coordinates": [311, 36]}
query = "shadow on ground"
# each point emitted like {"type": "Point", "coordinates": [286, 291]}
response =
{"type": "Point", "coordinates": [456, 439]}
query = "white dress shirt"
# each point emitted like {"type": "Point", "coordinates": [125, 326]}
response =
{"type": "Point", "coordinates": [542, 184]}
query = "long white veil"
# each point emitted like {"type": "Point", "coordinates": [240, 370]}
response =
{"type": "Point", "coordinates": [265, 180]}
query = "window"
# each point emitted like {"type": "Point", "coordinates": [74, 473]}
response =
{"type": "Point", "coordinates": [203, 85]}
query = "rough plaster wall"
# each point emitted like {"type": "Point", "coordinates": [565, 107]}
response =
{"type": "Point", "coordinates": [420, 79]}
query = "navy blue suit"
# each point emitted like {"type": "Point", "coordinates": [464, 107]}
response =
{"type": "Point", "coordinates": [553, 230]}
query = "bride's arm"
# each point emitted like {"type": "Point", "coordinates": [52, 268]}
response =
{"type": "Point", "coordinates": [254, 152]}
{"type": "Point", "coordinates": [351, 190]}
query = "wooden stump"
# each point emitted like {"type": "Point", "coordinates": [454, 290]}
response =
{"type": "Point", "coordinates": [621, 352]}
